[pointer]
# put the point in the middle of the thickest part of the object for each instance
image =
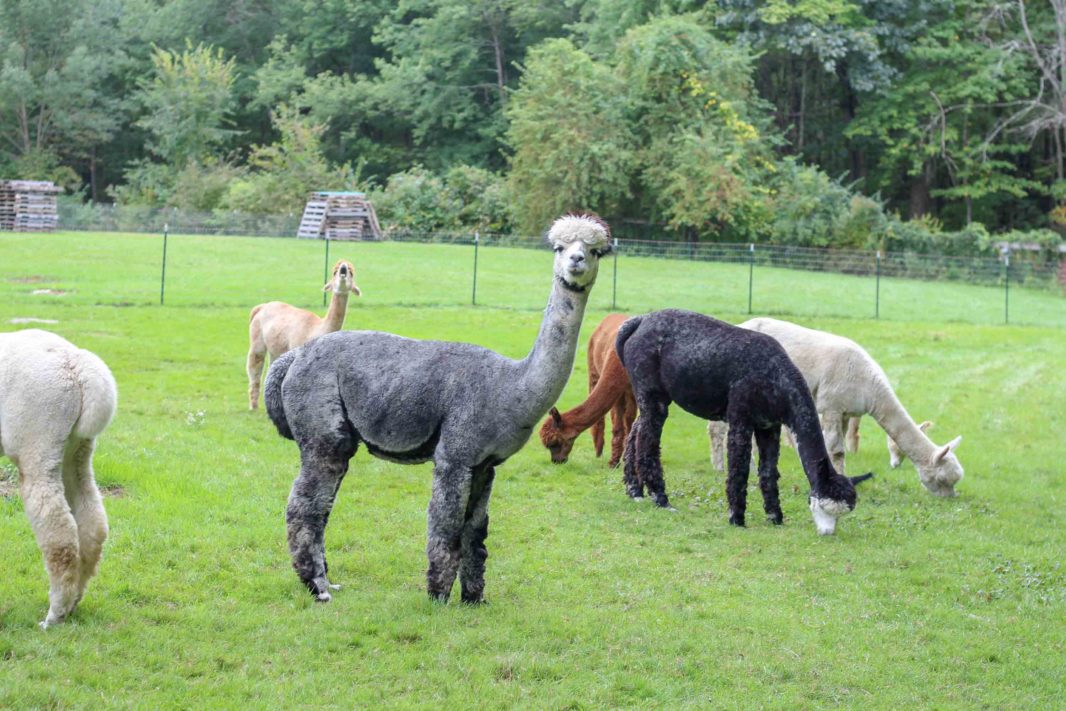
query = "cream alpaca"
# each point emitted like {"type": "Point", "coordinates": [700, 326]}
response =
{"type": "Point", "coordinates": [55, 400]}
{"type": "Point", "coordinates": [277, 327]}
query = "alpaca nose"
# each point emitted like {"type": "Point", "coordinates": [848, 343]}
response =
{"type": "Point", "coordinates": [577, 258]}
{"type": "Point", "coordinates": [344, 270]}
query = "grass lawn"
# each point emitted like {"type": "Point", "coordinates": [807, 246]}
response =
{"type": "Point", "coordinates": [595, 601]}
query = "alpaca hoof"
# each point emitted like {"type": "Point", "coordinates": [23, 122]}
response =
{"type": "Point", "coordinates": [323, 597]}
{"type": "Point", "coordinates": [478, 599]}
{"type": "Point", "coordinates": [776, 519]}
{"type": "Point", "coordinates": [661, 500]}
{"type": "Point", "coordinates": [440, 598]}
{"type": "Point", "coordinates": [334, 586]}
{"type": "Point", "coordinates": [636, 498]}
{"type": "Point", "coordinates": [737, 521]}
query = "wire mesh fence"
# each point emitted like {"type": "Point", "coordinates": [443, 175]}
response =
{"type": "Point", "coordinates": [465, 268]}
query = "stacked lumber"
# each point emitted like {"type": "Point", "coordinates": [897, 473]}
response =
{"type": "Point", "coordinates": [339, 215]}
{"type": "Point", "coordinates": [28, 205]}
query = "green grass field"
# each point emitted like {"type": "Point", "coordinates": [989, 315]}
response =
{"type": "Point", "coordinates": [595, 601]}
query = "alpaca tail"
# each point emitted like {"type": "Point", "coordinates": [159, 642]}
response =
{"type": "Point", "coordinates": [275, 405]}
{"type": "Point", "coordinates": [99, 396]}
{"type": "Point", "coordinates": [254, 311]}
{"type": "Point", "coordinates": [624, 332]}
{"type": "Point", "coordinates": [861, 478]}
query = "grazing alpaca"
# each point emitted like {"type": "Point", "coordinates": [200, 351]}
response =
{"type": "Point", "coordinates": [465, 407]}
{"type": "Point", "coordinates": [55, 400]}
{"type": "Point", "coordinates": [718, 371]}
{"type": "Point", "coordinates": [608, 390]}
{"type": "Point", "coordinates": [276, 327]}
{"type": "Point", "coordinates": [847, 383]}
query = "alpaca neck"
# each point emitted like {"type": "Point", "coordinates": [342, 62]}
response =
{"type": "Point", "coordinates": [894, 420]}
{"type": "Point", "coordinates": [334, 318]}
{"type": "Point", "coordinates": [546, 369]}
{"type": "Point", "coordinates": [611, 386]}
{"type": "Point", "coordinates": [807, 429]}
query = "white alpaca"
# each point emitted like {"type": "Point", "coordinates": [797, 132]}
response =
{"type": "Point", "coordinates": [846, 382]}
{"type": "Point", "coordinates": [55, 400]}
{"type": "Point", "coordinates": [277, 327]}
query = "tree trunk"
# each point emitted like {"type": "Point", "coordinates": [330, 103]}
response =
{"type": "Point", "coordinates": [92, 175]}
{"type": "Point", "coordinates": [919, 203]}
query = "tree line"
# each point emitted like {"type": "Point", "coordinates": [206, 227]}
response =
{"type": "Point", "coordinates": [815, 122]}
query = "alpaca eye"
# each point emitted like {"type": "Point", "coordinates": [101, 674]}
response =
{"type": "Point", "coordinates": [558, 249]}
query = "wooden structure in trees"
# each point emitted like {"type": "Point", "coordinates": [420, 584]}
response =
{"type": "Point", "coordinates": [339, 215]}
{"type": "Point", "coordinates": [28, 205]}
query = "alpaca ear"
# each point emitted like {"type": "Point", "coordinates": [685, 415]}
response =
{"type": "Point", "coordinates": [947, 449]}
{"type": "Point", "coordinates": [355, 290]}
{"type": "Point", "coordinates": [556, 417]}
{"type": "Point", "coordinates": [925, 425]}
{"type": "Point", "coordinates": [328, 286]}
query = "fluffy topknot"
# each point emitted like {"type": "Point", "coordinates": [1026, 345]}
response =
{"type": "Point", "coordinates": [587, 227]}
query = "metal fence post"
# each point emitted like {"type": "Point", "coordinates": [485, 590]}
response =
{"type": "Point", "coordinates": [163, 278]}
{"type": "Point", "coordinates": [877, 292]}
{"type": "Point", "coordinates": [614, 283]}
{"type": "Point", "coordinates": [1006, 285]}
{"type": "Point", "coordinates": [751, 272]}
{"type": "Point", "coordinates": [473, 295]}
{"type": "Point", "coordinates": [325, 271]}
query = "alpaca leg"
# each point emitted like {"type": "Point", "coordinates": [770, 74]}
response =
{"type": "Point", "coordinates": [649, 462]}
{"type": "Point", "coordinates": [619, 438]}
{"type": "Point", "coordinates": [446, 518]}
{"type": "Point", "coordinates": [834, 424]}
{"type": "Point", "coordinates": [769, 442]}
{"type": "Point", "coordinates": [716, 434]}
{"type": "Point", "coordinates": [88, 509]}
{"type": "Point", "coordinates": [256, 358]}
{"type": "Point", "coordinates": [56, 531]}
{"type": "Point", "coordinates": [736, 485]}
{"type": "Point", "coordinates": [310, 503]}
{"type": "Point", "coordinates": [852, 438]}
{"type": "Point", "coordinates": [597, 429]}
{"type": "Point", "coordinates": [475, 530]}
{"type": "Point", "coordinates": [630, 475]}
{"type": "Point", "coordinates": [618, 432]}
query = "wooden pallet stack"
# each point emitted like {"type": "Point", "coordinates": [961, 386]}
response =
{"type": "Point", "coordinates": [339, 215]}
{"type": "Point", "coordinates": [28, 205]}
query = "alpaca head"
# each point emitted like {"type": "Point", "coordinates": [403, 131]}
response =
{"type": "Point", "coordinates": [895, 454]}
{"type": "Point", "coordinates": [834, 499]}
{"type": "Point", "coordinates": [941, 474]}
{"type": "Point", "coordinates": [557, 437]}
{"type": "Point", "coordinates": [579, 241]}
{"type": "Point", "coordinates": [343, 279]}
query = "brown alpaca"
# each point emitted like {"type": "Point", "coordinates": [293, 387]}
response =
{"type": "Point", "coordinates": [609, 389]}
{"type": "Point", "coordinates": [277, 327]}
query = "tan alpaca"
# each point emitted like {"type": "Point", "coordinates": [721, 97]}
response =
{"type": "Point", "coordinates": [277, 327]}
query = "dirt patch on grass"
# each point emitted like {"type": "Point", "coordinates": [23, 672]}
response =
{"type": "Point", "coordinates": [49, 292]}
{"type": "Point", "coordinates": [9, 484]}
{"type": "Point", "coordinates": [31, 279]}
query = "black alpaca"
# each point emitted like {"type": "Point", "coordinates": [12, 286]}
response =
{"type": "Point", "coordinates": [720, 372]}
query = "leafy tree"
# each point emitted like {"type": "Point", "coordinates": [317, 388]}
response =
{"type": "Point", "coordinates": [187, 100]}
{"type": "Point", "coordinates": [56, 59]}
{"type": "Point", "coordinates": [283, 173]}
{"type": "Point", "coordinates": [573, 146]}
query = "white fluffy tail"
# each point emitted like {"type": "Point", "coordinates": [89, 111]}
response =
{"type": "Point", "coordinates": [99, 395]}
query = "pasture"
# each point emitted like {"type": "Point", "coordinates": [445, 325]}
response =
{"type": "Point", "coordinates": [594, 601]}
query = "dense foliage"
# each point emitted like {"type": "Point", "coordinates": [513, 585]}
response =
{"type": "Point", "coordinates": [815, 122]}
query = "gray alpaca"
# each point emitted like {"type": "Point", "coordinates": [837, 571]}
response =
{"type": "Point", "coordinates": [465, 407]}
